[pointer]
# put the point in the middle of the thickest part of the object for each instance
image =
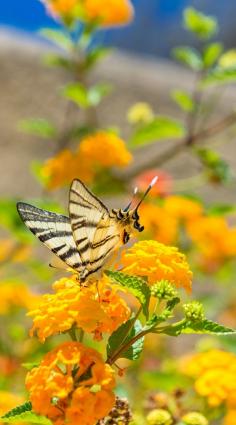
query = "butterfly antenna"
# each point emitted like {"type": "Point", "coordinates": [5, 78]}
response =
{"type": "Point", "coordinates": [133, 197]}
{"type": "Point", "coordinates": [153, 182]}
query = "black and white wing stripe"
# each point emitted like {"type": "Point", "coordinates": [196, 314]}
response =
{"type": "Point", "coordinates": [54, 230]}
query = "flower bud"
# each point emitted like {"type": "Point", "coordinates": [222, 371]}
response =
{"type": "Point", "coordinates": [163, 290]}
{"type": "Point", "coordinates": [159, 417]}
{"type": "Point", "coordinates": [194, 311]}
{"type": "Point", "coordinates": [140, 113]}
{"type": "Point", "coordinates": [194, 418]}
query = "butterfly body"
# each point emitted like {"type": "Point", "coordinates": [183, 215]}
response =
{"type": "Point", "coordinates": [86, 239]}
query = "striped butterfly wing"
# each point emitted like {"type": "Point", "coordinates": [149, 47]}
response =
{"type": "Point", "coordinates": [54, 230]}
{"type": "Point", "coordinates": [90, 223]}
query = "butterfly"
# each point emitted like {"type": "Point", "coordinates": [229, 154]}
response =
{"type": "Point", "coordinates": [85, 240]}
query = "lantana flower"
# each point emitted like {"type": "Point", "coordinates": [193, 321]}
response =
{"type": "Point", "coordinates": [72, 385]}
{"type": "Point", "coordinates": [157, 262]}
{"type": "Point", "coordinates": [215, 376]}
{"type": "Point", "coordinates": [96, 309]}
{"type": "Point", "coordinates": [16, 295]}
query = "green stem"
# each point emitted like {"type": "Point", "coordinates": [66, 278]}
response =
{"type": "Point", "coordinates": [81, 335]}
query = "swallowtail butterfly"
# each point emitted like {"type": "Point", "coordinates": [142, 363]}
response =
{"type": "Point", "coordinates": [86, 239]}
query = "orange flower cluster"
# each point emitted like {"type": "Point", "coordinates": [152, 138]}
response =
{"type": "Point", "coordinates": [15, 295]}
{"type": "Point", "coordinates": [97, 309]}
{"type": "Point", "coordinates": [214, 239]}
{"type": "Point", "coordinates": [230, 418]}
{"type": "Point", "coordinates": [157, 262]}
{"type": "Point", "coordinates": [95, 152]}
{"type": "Point", "coordinates": [107, 13]}
{"type": "Point", "coordinates": [72, 385]}
{"type": "Point", "coordinates": [215, 376]}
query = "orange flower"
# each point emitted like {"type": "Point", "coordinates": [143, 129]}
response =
{"type": "Point", "coordinates": [182, 208]}
{"type": "Point", "coordinates": [64, 167]}
{"type": "Point", "coordinates": [15, 295]}
{"type": "Point", "coordinates": [73, 304]}
{"type": "Point", "coordinates": [215, 376]}
{"type": "Point", "coordinates": [104, 149]}
{"type": "Point", "coordinates": [230, 418]}
{"type": "Point", "coordinates": [215, 240]}
{"type": "Point", "coordinates": [107, 13]}
{"type": "Point", "coordinates": [158, 224]}
{"type": "Point", "coordinates": [72, 385]}
{"type": "Point", "coordinates": [157, 262]}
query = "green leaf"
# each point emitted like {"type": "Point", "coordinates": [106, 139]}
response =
{"type": "Point", "coordinates": [135, 284]}
{"type": "Point", "coordinates": [24, 413]}
{"type": "Point", "coordinates": [189, 57]}
{"type": "Point", "coordinates": [60, 38]}
{"type": "Point", "coordinates": [26, 407]}
{"type": "Point", "coordinates": [36, 168]}
{"type": "Point", "coordinates": [221, 209]}
{"type": "Point", "coordinates": [86, 98]}
{"type": "Point", "coordinates": [211, 53]}
{"type": "Point", "coordinates": [183, 100]}
{"type": "Point", "coordinates": [207, 327]}
{"type": "Point", "coordinates": [218, 169]}
{"type": "Point", "coordinates": [160, 128]}
{"type": "Point", "coordinates": [118, 337]}
{"type": "Point", "coordinates": [220, 76]}
{"type": "Point", "coordinates": [30, 365]}
{"type": "Point", "coordinates": [53, 60]}
{"type": "Point", "coordinates": [134, 351]}
{"type": "Point", "coordinates": [201, 25]}
{"type": "Point", "coordinates": [38, 127]}
{"type": "Point", "coordinates": [93, 56]}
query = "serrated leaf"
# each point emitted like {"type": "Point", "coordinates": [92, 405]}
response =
{"type": "Point", "coordinates": [134, 351]}
{"type": "Point", "coordinates": [118, 337]}
{"type": "Point", "coordinates": [122, 336]}
{"type": "Point", "coordinates": [18, 410]}
{"type": "Point", "coordinates": [201, 25]}
{"type": "Point", "coordinates": [207, 327]}
{"type": "Point", "coordinates": [211, 53]}
{"type": "Point", "coordinates": [60, 38]}
{"type": "Point", "coordinates": [38, 127]}
{"type": "Point", "coordinates": [189, 57]}
{"type": "Point", "coordinates": [160, 128]}
{"type": "Point", "coordinates": [135, 284]}
{"type": "Point", "coordinates": [220, 76]}
{"type": "Point", "coordinates": [183, 100]}
{"type": "Point", "coordinates": [28, 417]}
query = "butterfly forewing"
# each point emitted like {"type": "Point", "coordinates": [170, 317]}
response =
{"type": "Point", "coordinates": [54, 230]}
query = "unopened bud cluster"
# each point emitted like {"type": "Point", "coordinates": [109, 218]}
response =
{"type": "Point", "coordinates": [163, 290]}
{"type": "Point", "coordinates": [194, 418]}
{"type": "Point", "coordinates": [119, 415]}
{"type": "Point", "coordinates": [194, 311]}
{"type": "Point", "coordinates": [159, 417]}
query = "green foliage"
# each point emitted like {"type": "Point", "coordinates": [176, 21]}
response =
{"type": "Point", "coordinates": [86, 98]}
{"type": "Point", "coordinates": [58, 37]}
{"type": "Point", "coordinates": [136, 285]}
{"type": "Point", "coordinates": [56, 61]}
{"type": "Point", "coordinates": [38, 127]}
{"type": "Point", "coordinates": [218, 170]}
{"type": "Point", "coordinates": [24, 413]}
{"type": "Point", "coordinates": [211, 53]}
{"type": "Point", "coordinates": [183, 100]}
{"type": "Point", "coordinates": [205, 326]}
{"type": "Point", "coordinates": [221, 209]}
{"type": "Point", "coordinates": [189, 57]}
{"type": "Point", "coordinates": [94, 55]}
{"type": "Point", "coordinates": [220, 76]}
{"type": "Point", "coordinates": [160, 128]}
{"type": "Point", "coordinates": [122, 336]}
{"type": "Point", "coordinates": [201, 25]}
{"type": "Point", "coordinates": [10, 220]}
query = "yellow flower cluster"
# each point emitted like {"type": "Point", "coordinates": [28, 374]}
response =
{"type": "Point", "coordinates": [140, 113]}
{"type": "Point", "coordinates": [97, 309]}
{"type": "Point", "coordinates": [95, 152]}
{"type": "Point", "coordinates": [215, 376]}
{"type": "Point", "coordinates": [157, 262]}
{"type": "Point", "coordinates": [72, 385]}
{"type": "Point", "coordinates": [107, 13]}
{"type": "Point", "coordinates": [15, 295]}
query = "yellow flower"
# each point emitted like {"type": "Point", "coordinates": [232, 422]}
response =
{"type": "Point", "coordinates": [64, 167]}
{"type": "Point", "coordinates": [107, 13]}
{"type": "Point", "coordinates": [12, 251]}
{"type": "Point", "coordinates": [72, 385]}
{"type": "Point", "coordinates": [228, 59]}
{"type": "Point", "coordinates": [140, 113]}
{"type": "Point", "coordinates": [73, 304]}
{"type": "Point", "coordinates": [215, 376]}
{"type": "Point", "coordinates": [182, 208]}
{"type": "Point", "coordinates": [215, 240]}
{"type": "Point", "coordinates": [160, 225]}
{"type": "Point", "coordinates": [15, 295]}
{"type": "Point", "coordinates": [157, 262]}
{"type": "Point", "coordinates": [104, 149]}
{"type": "Point", "coordinates": [230, 418]}
{"type": "Point", "coordinates": [8, 401]}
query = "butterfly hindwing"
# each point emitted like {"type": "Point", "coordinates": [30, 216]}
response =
{"type": "Point", "coordinates": [54, 230]}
